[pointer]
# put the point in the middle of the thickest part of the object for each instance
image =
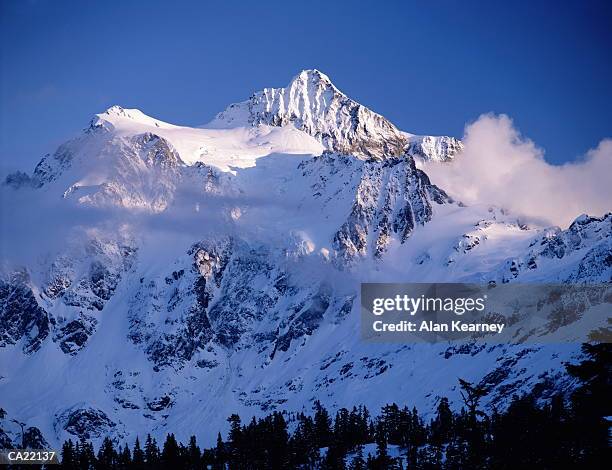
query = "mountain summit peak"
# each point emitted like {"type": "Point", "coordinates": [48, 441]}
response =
{"type": "Point", "coordinates": [115, 109]}
{"type": "Point", "coordinates": [313, 104]}
{"type": "Point", "coordinates": [118, 117]}
{"type": "Point", "coordinates": [309, 82]}
{"type": "Point", "coordinates": [312, 76]}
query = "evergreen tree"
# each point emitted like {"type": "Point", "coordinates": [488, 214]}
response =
{"type": "Point", "coordinates": [193, 454]}
{"type": "Point", "coordinates": [279, 442]}
{"type": "Point", "coordinates": [390, 420]}
{"type": "Point", "coordinates": [512, 449]}
{"type": "Point", "coordinates": [441, 426]}
{"type": "Point", "coordinates": [171, 456]}
{"type": "Point", "coordinates": [474, 432]}
{"type": "Point", "coordinates": [591, 404]}
{"type": "Point", "coordinates": [383, 460]}
{"type": "Point", "coordinates": [124, 459]}
{"type": "Point", "coordinates": [418, 429]}
{"type": "Point", "coordinates": [235, 456]}
{"type": "Point", "coordinates": [303, 443]}
{"type": "Point", "coordinates": [107, 455]}
{"type": "Point", "coordinates": [322, 424]}
{"type": "Point", "coordinates": [86, 455]}
{"type": "Point", "coordinates": [219, 454]}
{"type": "Point", "coordinates": [69, 457]}
{"type": "Point", "coordinates": [151, 452]}
{"type": "Point", "coordinates": [555, 432]}
{"type": "Point", "coordinates": [362, 421]}
{"type": "Point", "coordinates": [342, 432]}
{"type": "Point", "coordinates": [138, 459]}
{"type": "Point", "coordinates": [472, 394]}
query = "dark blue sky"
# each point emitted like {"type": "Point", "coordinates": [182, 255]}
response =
{"type": "Point", "coordinates": [429, 66]}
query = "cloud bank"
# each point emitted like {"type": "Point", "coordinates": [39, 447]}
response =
{"type": "Point", "coordinates": [499, 166]}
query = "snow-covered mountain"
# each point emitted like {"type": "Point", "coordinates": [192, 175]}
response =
{"type": "Point", "coordinates": [211, 270]}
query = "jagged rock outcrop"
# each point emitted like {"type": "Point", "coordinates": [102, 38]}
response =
{"type": "Point", "coordinates": [586, 245]}
{"type": "Point", "coordinates": [34, 439]}
{"type": "Point", "coordinates": [16, 434]}
{"type": "Point", "coordinates": [22, 319]}
{"type": "Point", "coordinates": [51, 166]}
{"type": "Point", "coordinates": [170, 318]}
{"type": "Point", "coordinates": [391, 198]}
{"type": "Point", "coordinates": [314, 105]}
{"type": "Point", "coordinates": [84, 422]}
{"type": "Point", "coordinates": [433, 149]}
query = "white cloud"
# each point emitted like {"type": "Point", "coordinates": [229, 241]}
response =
{"type": "Point", "coordinates": [499, 166]}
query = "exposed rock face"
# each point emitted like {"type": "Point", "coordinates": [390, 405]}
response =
{"type": "Point", "coordinates": [391, 197]}
{"type": "Point", "coordinates": [33, 439]}
{"type": "Point", "coordinates": [84, 422]}
{"type": "Point", "coordinates": [433, 149]}
{"type": "Point", "coordinates": [16, 434]}
{"type": "Point", "coordinates": [170, 318]}
{"type": "Point", "coordinates": [314, 105]}
{"type": "Point", "coordinates": [76, 287]}
{"type": "Point", "coordinates": [51, 166]}
{"type": "Point", "coordinates": [83, 284]}
{"type": "Point", "coordinates": [590, 238]}
{"type": "Point", "coordinates": [304, 320]}
{"type": "Point", "coordinates": [22, 319]}
{"type": "Point", "coordinates": [73, 335]}
{"type": "Point", "coordinates": [19, 179]}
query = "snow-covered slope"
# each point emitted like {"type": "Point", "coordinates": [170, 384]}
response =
{"type": "Point", "coordinates": [216, 270]}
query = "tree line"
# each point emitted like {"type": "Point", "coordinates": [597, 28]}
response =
{"type": "Point", "coordinates": [566, 432]}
